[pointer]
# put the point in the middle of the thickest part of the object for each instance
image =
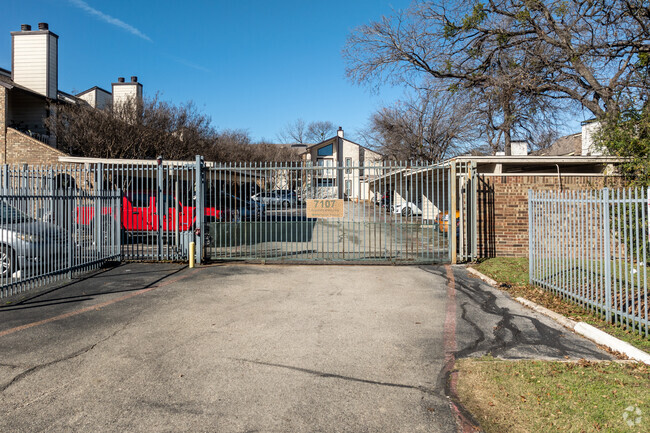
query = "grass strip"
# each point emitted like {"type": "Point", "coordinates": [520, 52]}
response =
{"type": "Point", "coordinates": [543, 396]}
{"type": "Point", "coordinates": [512, 275]}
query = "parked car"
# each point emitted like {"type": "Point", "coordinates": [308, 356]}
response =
{"type": "Point", "coordinates": [29, 245]}
{"type": "Point", "coordinates": [277, 198]}
{"type": "Point", "coordinates": [406, 208]}
{"type": "Point", "coordinates": [240, 209]}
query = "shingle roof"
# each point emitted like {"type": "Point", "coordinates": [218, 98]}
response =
{"type": "Point", "coordinates": [569, 145]}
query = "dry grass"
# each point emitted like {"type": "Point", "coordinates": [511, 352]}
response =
{"type": "Point", "coordinates": [536, 396]}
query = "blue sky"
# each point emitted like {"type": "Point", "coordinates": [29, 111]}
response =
{"type": "Point", "coordinates": [249, 64]}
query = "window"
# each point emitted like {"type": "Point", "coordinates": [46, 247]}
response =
{"type": "Point", "coordinates": [326, 150]}
{"type": "Point", "coordinates": [348, 163]}
{"type": "Point", "coordinates": [348, 187]}
{"type": "Point", "coordinates": [325, 182]}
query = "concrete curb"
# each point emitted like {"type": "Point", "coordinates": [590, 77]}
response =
{"type": "Point", "coordinates": [485, 278]}
{"type": "Point", "coordinates": [562, 320]}
{"type": "Point", "coordinates": [603, 338]}
{"type": "Point", "coordinates": [594, 334]}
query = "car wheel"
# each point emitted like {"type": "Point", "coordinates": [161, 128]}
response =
{"type": "Point", "coordinates": [406, 211]}
{"type": "Point", "coordinates": [285, 204]}
{"type": "Point", "coordinates": [6, 262]}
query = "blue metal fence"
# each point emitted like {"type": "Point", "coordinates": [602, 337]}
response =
{"type": "Point", "coordinates": [593, 248]}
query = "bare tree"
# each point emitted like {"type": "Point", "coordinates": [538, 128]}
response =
{"type": "Point", "coordinates": [428, 126]}
{"type": "Point", "coordinates": [591, 53]}
{"type": "Point", "coordinates": [155, 128]}
{"type": "Point", "coordinates": [294, 132]}
{"type": "Point", "coordinates": [319, 131]}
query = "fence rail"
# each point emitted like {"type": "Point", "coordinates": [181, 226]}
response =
{"type": "Point", "coordinates": [593, 248]}
{"type": "Point", "coordinates": [47, 236]}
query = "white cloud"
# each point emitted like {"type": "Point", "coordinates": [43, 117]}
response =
{"type": "Point", "coordinates": [189, 64]}
{"type": "Point", "coordinates": [109, 19]}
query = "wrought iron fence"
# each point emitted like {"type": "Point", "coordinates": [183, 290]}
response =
{"type": "Point", "coordinates": [47, 236]}
{"type": "Point", "coordinates": [593, 248]}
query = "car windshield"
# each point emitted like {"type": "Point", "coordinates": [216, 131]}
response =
{"type": "Point", "coordinates": [11, 215]}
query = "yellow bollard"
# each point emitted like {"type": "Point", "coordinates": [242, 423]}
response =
{"type": "Point", "coordinates": [192, 248]}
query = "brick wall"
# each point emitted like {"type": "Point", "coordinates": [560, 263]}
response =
{"type": "Point", "coordinates": [3, 122]}
{"type": "Point", "coordinates": [23, 149]}
{"type": "Point", "coordinates": [503, 209]}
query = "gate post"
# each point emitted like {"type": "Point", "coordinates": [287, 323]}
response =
{"type": "Point", "coordinates": [159, 207]}
{"type": "Point", "coordinates": [200, 212]}
{"type": "Point", "coordinates": [452, 214]}
{"type": "Point", "coordinates": [99, 182]}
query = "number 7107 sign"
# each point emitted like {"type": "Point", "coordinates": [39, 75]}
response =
{"type": "Point", "coordinates": [326, 208]}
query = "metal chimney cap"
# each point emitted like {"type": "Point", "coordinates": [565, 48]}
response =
{"type": "Point", "coordinates": [134, 79]}
{"type": "Point", "coordinates": [120, 79]}
{"type": "Point", "coordinates": [43, 26]}
{"type": "Point", "coordinates": [25, 27]}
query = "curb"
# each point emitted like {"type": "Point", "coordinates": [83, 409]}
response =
{"type": "Point", "coordinates": [485, 278]}
{"type": "Point", "coordinates": [594, 334]}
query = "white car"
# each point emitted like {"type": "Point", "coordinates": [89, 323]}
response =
{"type": "Point", "coordinates": [406, 208]}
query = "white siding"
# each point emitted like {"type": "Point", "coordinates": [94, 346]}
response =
{"type": "Point", "coordinates": [103, 99]}
{"type": "Point", "coordinates": [588, 146]}
{"type": "Point", "coordinates": [30, 62]}
{"type": "Point", "coordinates": [90, 98]}
{"type": "Point", "coordinates": [53, 85]}
{"type": "Point", "coordinates": [97, 98]}
{"type": "Point", "coordinates": [124, 92]}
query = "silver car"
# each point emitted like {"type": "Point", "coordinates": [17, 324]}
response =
{"type": "Point", "coordinates": [29, 247]}
{"type": "Point", "coordinates": [277, 198]}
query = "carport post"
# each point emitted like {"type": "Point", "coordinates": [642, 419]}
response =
{"type": "Point", "coordinates": [200, 212]}
{"type": "Point", "coordinates": [452, 213]}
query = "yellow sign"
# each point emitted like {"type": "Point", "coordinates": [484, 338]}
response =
{"type": "Point", "coordinates": [328, 208]}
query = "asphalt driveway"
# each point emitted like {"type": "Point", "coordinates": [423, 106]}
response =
{"type": "Point", "coordinates": [253, 348]}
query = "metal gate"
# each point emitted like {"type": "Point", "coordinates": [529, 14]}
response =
{"type": "Point", "coordinates": [389, 212]}
{"type": "Point", "coordinates": [385, 212]}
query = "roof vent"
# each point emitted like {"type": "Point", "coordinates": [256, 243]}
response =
{"type": "Point", "coordinates": [120, 79]}
{"type": "Point", "coordinates": [134, 79]}
{"type": "Point", "coordinates": [25, 27]}
{"type": "Point", "coordinates": [43, 26]}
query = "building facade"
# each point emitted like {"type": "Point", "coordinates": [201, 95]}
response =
{"type": "Point", "coordinates": [29, 95]}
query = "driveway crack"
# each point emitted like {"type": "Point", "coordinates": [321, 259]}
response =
{"type": "Point", "coordinates": [338, 376]}
{"type": "Point", "coordinates": [73, 355]}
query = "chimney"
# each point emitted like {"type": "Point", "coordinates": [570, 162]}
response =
{"type": "Point", "coordinates": [589, 130]}
{"type": "Point", "coordinates": [35, 59]}
{"type": "Point", "coordinates": [518, 148]}
{"type": "Point", "coordinates": [340, 132]}
{"type": "Point", "coordinates": [123, 91]}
